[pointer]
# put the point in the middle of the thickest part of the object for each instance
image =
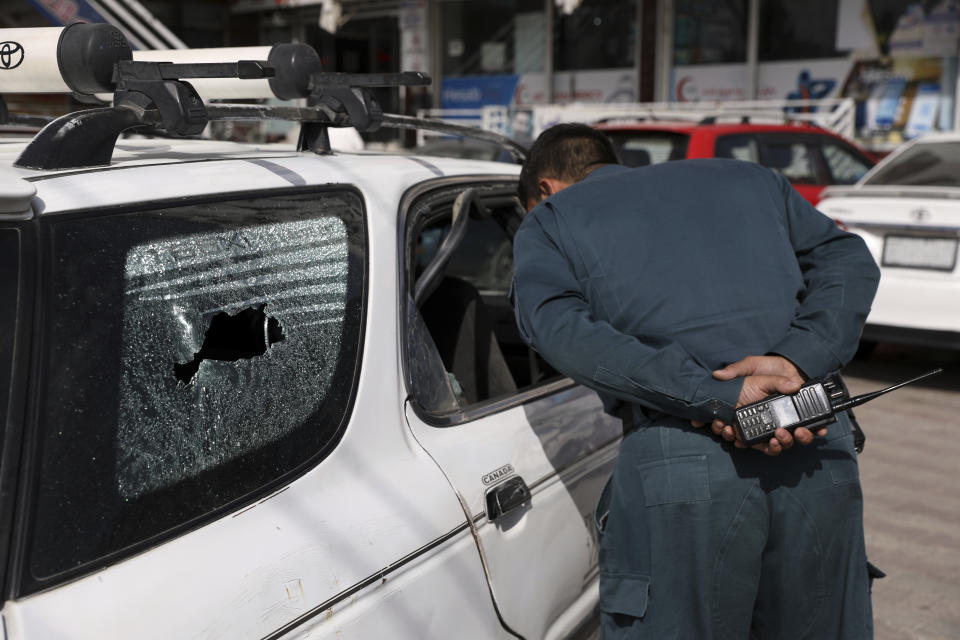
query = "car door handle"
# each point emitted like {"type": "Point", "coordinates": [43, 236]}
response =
{"type": "Point", "coordinates": [507, 496]}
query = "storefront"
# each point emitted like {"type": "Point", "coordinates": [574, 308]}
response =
{"type": "Point", "coordinates": [896, 58]}
{"type": "Point", "coordinates": [523, 52]}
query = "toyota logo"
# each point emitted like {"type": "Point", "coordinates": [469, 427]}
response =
{"type": "Point", "coordinates": [11, 55]}
{"type": "Point", "coordinates": [920, 215]}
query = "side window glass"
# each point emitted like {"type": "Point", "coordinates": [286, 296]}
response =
{"type": "Point", "coordinates": [737, 147]}
{"type": "Point", "coordinates": [642, 148]}
{"type": "Point", "coordinates": [467, 318]}
{"type": "Point", "coordinates": [485, 259]}
{"type": "Point", "coordinates": [793, 159]}
{"type": "Point", "coordinates": [194, 355]}
{"type": "Point", "coordinates": [846, 167]}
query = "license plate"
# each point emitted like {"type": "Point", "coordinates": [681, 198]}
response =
{"type": "Point", "coordinates": [919, 252]}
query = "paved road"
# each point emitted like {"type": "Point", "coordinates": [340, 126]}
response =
{"type": "Point", "coordinates": [910, 470]}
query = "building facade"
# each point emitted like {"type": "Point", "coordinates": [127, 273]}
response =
{"type": "Point", "coordinates": [896, 58]}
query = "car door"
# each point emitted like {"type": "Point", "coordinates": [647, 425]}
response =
{"type": "Point", "coordinates": [526, 449]}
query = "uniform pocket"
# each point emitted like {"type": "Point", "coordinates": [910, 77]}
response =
{"type": "Point", "coordinates": [624, 593]}
{"type": "Point", "coordinates": [843, 470]}
{"type": "Point", "coordinates": [685, 479]}
{"type": "Point", "coordinates": [839, 455]}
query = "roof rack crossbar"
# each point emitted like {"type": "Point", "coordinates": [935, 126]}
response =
{"type": "Point", "coordinates": [319, 117]}
{"type": "Point", "coordinates": [322, 116]}
{"type": "Point", "coordinates": [517, 150]}
{"type": "Point", "coordinates": [401, 79]}
{"type": "Point", "coordinates": [311, 114]}
{"type": "Point", "coordinates": [349, 92]}
{"type": "Point", "coordinates": [146, 86]}
{"type": "Point", "coordinates": [128, 70]}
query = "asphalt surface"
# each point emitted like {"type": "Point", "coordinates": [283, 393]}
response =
{"type": "Point", "coordinates": [910, 471]}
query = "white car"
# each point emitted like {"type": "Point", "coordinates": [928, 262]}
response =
{"type": "Point", "coordinates": [260, 392]}
{"type": "Point", "coordinates": [907, 209]}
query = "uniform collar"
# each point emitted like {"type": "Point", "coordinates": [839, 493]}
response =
{"type": "Point", "coordinates": [606, 170]}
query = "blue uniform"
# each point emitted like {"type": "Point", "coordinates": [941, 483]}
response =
{"type": "Point", "coordinates": [638, 283]}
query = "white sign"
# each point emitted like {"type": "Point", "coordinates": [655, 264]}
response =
{"type": "Point", "coordinates": [941, 30]}
{"type": "Point", "coordinates": [414, 40]}
{"type": "Point", "coordinates": [855, 30]}
{"type": "Point", "coordinates": [923, 112]}
{"type": "Point", "coordinates": [926, 34]}
{"type": "Point", "coordinates": [600, 85]}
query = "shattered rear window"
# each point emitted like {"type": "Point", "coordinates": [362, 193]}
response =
{"type": "Point", "coordinates": [195, 355]}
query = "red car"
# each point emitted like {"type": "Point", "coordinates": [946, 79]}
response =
{"type": "Point", "coordinates": [811, 157]}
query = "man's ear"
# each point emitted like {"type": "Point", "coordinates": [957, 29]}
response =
{"type": "Point", "coordinates": [550, 186]}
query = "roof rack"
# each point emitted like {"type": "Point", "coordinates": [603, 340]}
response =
{"type": "Point", "coordinates": [153, 94]}
{"type": "Point", "coordinates": [715, 117]}
{"type": "Point", "coordinates": [756, 118]}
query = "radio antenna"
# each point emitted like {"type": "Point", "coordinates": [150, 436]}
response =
{"type": "Point", "coordinates": [866, 397]}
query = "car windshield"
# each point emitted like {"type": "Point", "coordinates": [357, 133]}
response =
{"type": "Point", "coordinates": [640, 148]}
{"type": "Point", "coordinates": [922, 165]}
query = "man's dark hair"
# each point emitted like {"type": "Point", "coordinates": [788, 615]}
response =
{"type": "Point", "coordinates": [567, 152]}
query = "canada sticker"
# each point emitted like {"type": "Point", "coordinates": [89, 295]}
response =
{"type": "Point", "coordinates": [493, 476]}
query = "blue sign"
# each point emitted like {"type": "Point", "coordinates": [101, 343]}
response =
{"type": "Point", "coordinates": [889, 101]}
{"type": "Point", "coordinates": [923, 112]}
{"type": "Point", "coordinates": [476, 92]}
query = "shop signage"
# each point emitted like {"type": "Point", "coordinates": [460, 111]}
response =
{"type": "Point", "coordinates": [601, 85]}
{"type": "Point", "coordinates": [793, 80]}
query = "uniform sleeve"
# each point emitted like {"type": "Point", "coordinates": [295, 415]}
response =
{"type": "Point", "coordinates": [555, 319]}
{"type": "Point", "coordinates": [840, 278]}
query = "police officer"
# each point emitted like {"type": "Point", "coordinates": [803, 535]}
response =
{"type": "Point", "coordinates": [678, 291]}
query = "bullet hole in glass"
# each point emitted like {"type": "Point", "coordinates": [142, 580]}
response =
{"type": "Point", "coordinates": [246, 334]}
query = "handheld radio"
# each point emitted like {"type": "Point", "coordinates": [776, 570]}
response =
{"type": "Point", "coordinates": [816, 404]}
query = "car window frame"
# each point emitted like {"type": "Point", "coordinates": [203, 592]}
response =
{"type": "Point", "coordinates": [19, 582]}
{"type": "Point", "coordinates": [620, 136]}
{"type": "Point", "coordinates": [15, 459]}
{"type": "Point", "coordinates": [747, 135]}
{"type": "Point", "coordinates": [808, 139]}
{"type": "Point", "coordinates": [408, 222]}
{"type": "Point", "coordinates": [849, 148]}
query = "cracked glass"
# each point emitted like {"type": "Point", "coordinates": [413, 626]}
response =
{"type": "Point", "coordinates": [196, 354]}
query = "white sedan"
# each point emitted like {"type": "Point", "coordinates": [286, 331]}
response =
{"type": "Point", "coordinates": [907, 209]}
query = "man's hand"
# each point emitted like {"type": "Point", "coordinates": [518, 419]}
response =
{"type": "Point", "coordinates": [763, 375]}
{"type": "Point", "coordinates": [760, 365]}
